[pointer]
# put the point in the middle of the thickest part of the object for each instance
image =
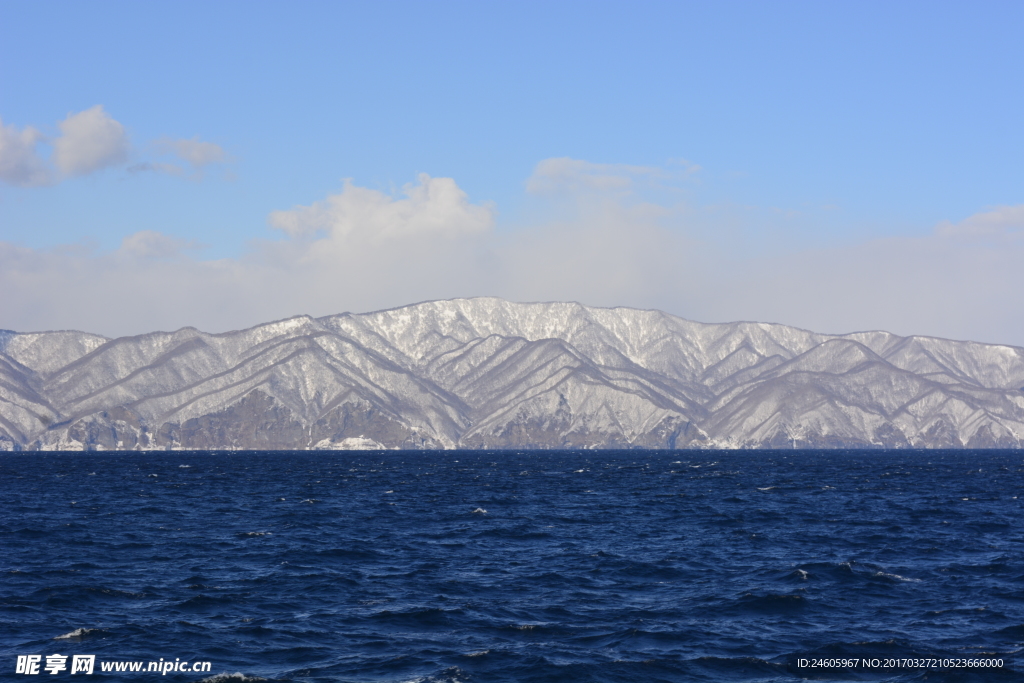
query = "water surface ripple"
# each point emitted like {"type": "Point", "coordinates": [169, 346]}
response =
{"type": "Point", "coordinates": [513, 566]}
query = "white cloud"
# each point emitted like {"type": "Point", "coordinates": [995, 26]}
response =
{"type": "Point", "coordinates": [565, 174]}
{"type": "Point", "coordinates": [149, 244]}
{"type": "Point", "coordinates": [432, 207]}
{"type": "Point", "coordinates": [157, 167]}
{"type": "Point", "coordinates": [956, 282]}
{"type": "Point", "coordinates": [197, 153]}
{"type": "Point", "coordinates": [122, 292]}
{"type": "Point", "coordinates": [1003, 222]}
{"type": "Point", "coordinates": [361, 249]}
{"type": "Point", "coordinates": [90, 140]}
{"type": "Point", "coordinates": [357, 250]}
{"type": "Point", "coordinates": [20, 164]}
{"type": "Point", "coordinates": [562, 174]}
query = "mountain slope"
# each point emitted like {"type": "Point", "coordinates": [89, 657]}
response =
{"type": "Point", "coordinates": [488, 373]}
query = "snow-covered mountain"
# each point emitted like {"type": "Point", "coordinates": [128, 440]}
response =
{"type": "Point", "coordinates": [488, 373]}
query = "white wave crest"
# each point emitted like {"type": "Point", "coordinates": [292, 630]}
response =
{"type": "Point", "coordinates": [237, 677]}
{"type": "Point", "coordinates": [79, 633]}
{"type": "Point", "coordinates": [897, 577]}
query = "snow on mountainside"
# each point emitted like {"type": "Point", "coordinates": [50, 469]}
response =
{"type": "Point", "coordinates": [488, 373]}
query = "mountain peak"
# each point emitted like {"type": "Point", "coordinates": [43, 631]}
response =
{"type": "Point", "coordinates": [489, 373]}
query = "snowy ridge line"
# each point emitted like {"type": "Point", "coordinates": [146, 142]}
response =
{"type": "Point", "coordinates": [488, 373]}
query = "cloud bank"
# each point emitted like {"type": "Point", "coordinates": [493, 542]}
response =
{"type": "Point", "coordinates": [361, 249]}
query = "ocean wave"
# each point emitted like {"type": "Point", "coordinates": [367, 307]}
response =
{"type": "Point", "coordinates": [771, 603]}
{"type": "Point", "coordinates": [80, 633]}
{"type": "Point", "coordinates": [450, 675]}
{"type": "Point", "coordinates": [895, 577]}
{"type": "Point", "coordinates": [617, 574]}
{"type": "Point", "coordinates": [237, 677]}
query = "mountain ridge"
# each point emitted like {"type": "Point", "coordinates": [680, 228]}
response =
{"type": "Point", "coordinates": [488, 373]}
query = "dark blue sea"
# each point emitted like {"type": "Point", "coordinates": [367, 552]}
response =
{"type": "Point", "coordinates": [514, 566]}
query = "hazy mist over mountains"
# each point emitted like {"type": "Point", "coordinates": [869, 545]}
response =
{"type": "Point", "coordinates": [488, 373]}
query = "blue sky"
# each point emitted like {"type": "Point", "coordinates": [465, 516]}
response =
{"type": "Point", "coordinates": [837, 166]}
